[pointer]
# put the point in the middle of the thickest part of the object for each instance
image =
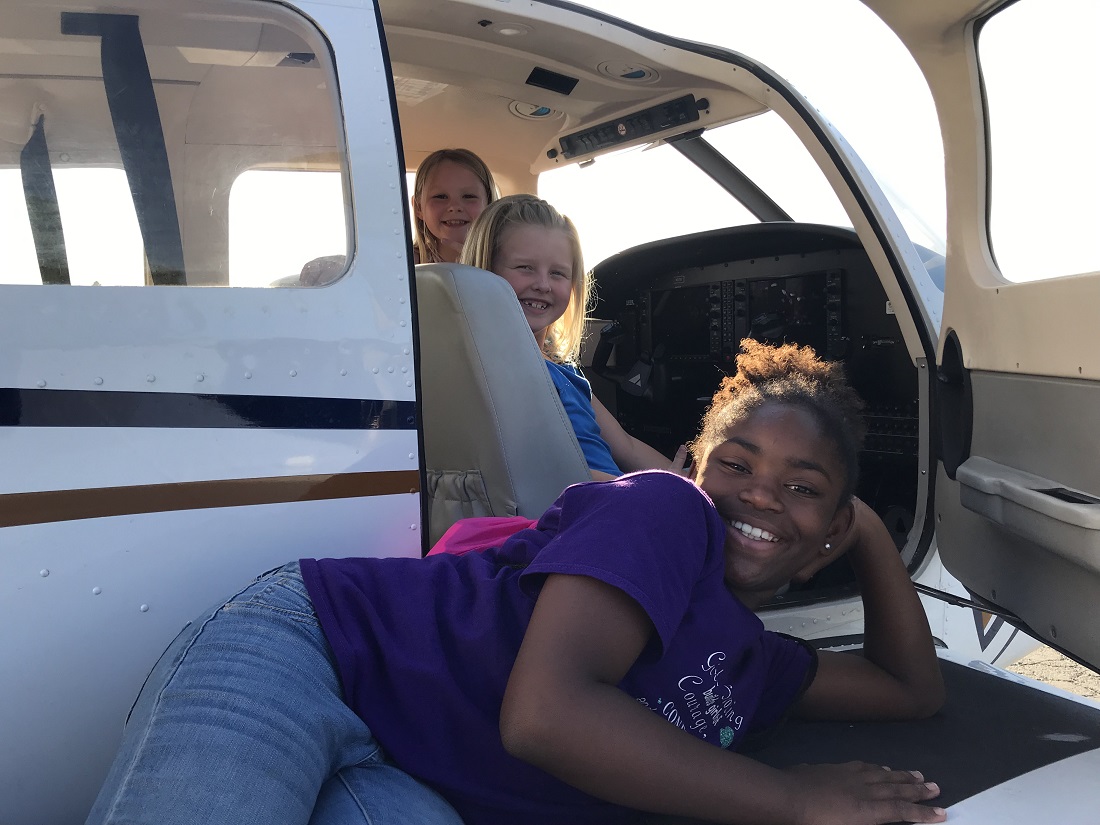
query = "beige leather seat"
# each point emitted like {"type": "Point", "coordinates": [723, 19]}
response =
{"type": "Point", "coordinates": [496, 439]}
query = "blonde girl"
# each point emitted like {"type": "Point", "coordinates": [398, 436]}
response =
{"type": "Point", "coordinates": [451, 189]}
{"type": "Point", "coordinates": [537, 251]}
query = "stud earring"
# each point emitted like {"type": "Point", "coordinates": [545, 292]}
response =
{"type": "Point", "coordinates": [828, 546]}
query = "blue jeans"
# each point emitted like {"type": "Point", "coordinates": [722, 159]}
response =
{"type": "Point", "coordinates": [243, 720]}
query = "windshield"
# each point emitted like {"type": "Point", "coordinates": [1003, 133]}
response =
{"type": "Point", "coordinates": [766, 150]}
{"type": "Point", "coordinates": [636, 196]}
{"type": "Point", "coordinates": [859, 75]}
{"type": "Point", "coordinates": [669, 196]}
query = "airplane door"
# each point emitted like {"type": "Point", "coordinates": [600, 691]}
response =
{"type": "Point", "coordinates": [1018, 395]}
{"type": "Point", "coordinates": [207, 366]}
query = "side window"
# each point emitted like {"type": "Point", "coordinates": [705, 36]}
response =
{"type": "Point", "coordinates": [270, 244]}
{"type": "Point", "coordinates": [97, 213]}
{"type": "Point", "coordinates": [1041, 73]}
{"type": "Point", "coordinates": [217, 163]}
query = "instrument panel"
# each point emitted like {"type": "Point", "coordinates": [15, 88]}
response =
{"type": "Point", "coordinates": [675, 311]}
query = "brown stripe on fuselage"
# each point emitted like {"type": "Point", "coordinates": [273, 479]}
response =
{"type": "Point", "coordinates": [99, 502]}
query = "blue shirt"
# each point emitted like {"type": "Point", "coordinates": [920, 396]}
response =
{"type": "Point", "coordinates": [576, 397]}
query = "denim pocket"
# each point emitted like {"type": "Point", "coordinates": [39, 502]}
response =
{"type": "Point", "coordinates": [282, 590]}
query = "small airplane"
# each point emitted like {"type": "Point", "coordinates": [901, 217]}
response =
{"type": "Point", "coordinates": [184, 404]}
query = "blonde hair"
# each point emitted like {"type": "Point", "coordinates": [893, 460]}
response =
{"type": "Point", "coordinates": [564, 336]}
{"type": "Point", "coordinates": [427, 244]}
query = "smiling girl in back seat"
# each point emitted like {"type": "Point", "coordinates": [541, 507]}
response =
{"type": "Point", "coordinates": [537, 251]}
{"type": "Point", "coordinates": [452, 187]}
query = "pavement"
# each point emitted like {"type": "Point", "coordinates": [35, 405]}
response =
{"type": "Point", "coordinates": [1050, 666]}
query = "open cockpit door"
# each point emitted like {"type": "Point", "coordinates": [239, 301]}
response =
{"type": "Point", "coordinates": [1018, 395]}
{"type": "Point", "coordinates": [207, 330]}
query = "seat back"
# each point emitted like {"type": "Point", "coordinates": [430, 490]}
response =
{"type": "Point", "coordinates": [497, 441]}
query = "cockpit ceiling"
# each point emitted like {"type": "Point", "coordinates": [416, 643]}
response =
{"type": "Point", "coordinates": [464, 70]}
{"type": "Point", "coordinates": [56, 70]}
{"type": "Point", "coordinates": [179, 48]}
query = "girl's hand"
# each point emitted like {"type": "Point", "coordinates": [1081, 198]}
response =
{"type": "Point", "coordinates": [864, 527]}
{"type": "Point", "coordinates": [858, 793]}
{"type": "Point", "coordinates": [680, 463]}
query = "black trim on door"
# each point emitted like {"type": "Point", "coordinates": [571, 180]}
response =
{"type": "Point", "coordinates": [105, 408]}
{"type": "Point", "coordinates": [954, 406]}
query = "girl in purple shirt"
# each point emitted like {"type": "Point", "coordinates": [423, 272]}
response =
{"type": "Point", "coordinates": [602, 662]}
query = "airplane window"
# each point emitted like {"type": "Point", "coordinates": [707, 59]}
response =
{"type": "Point", "coordinates": [1045, 168]}
{"type": "Point", "coordinates": [648, 194]}
{"type": "Point", "coordinates": [96, 213]}
{"type": "Point", "coordinates": [638, 195]}
{"type": "Point", "coordinates": [269, 245]}
{"type": "Point", "coordinates": [18, 264]}
{"type": "Point", "coordinates": [860, 77]}
{"type": "Point", "coordinates": [240, 97]}
{"type": "Point", "coordinates": [770, 154]}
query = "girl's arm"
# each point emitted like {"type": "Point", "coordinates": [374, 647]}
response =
{"type": "Point", "coordinates": [630, 453]}
{"type": "Point", "coordinates": [564, 713]}
{"type": "Point", "coordinates": [898, 675]}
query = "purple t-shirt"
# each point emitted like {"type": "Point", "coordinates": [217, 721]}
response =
{"type": "Point", "coordinates": [425, 646]}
